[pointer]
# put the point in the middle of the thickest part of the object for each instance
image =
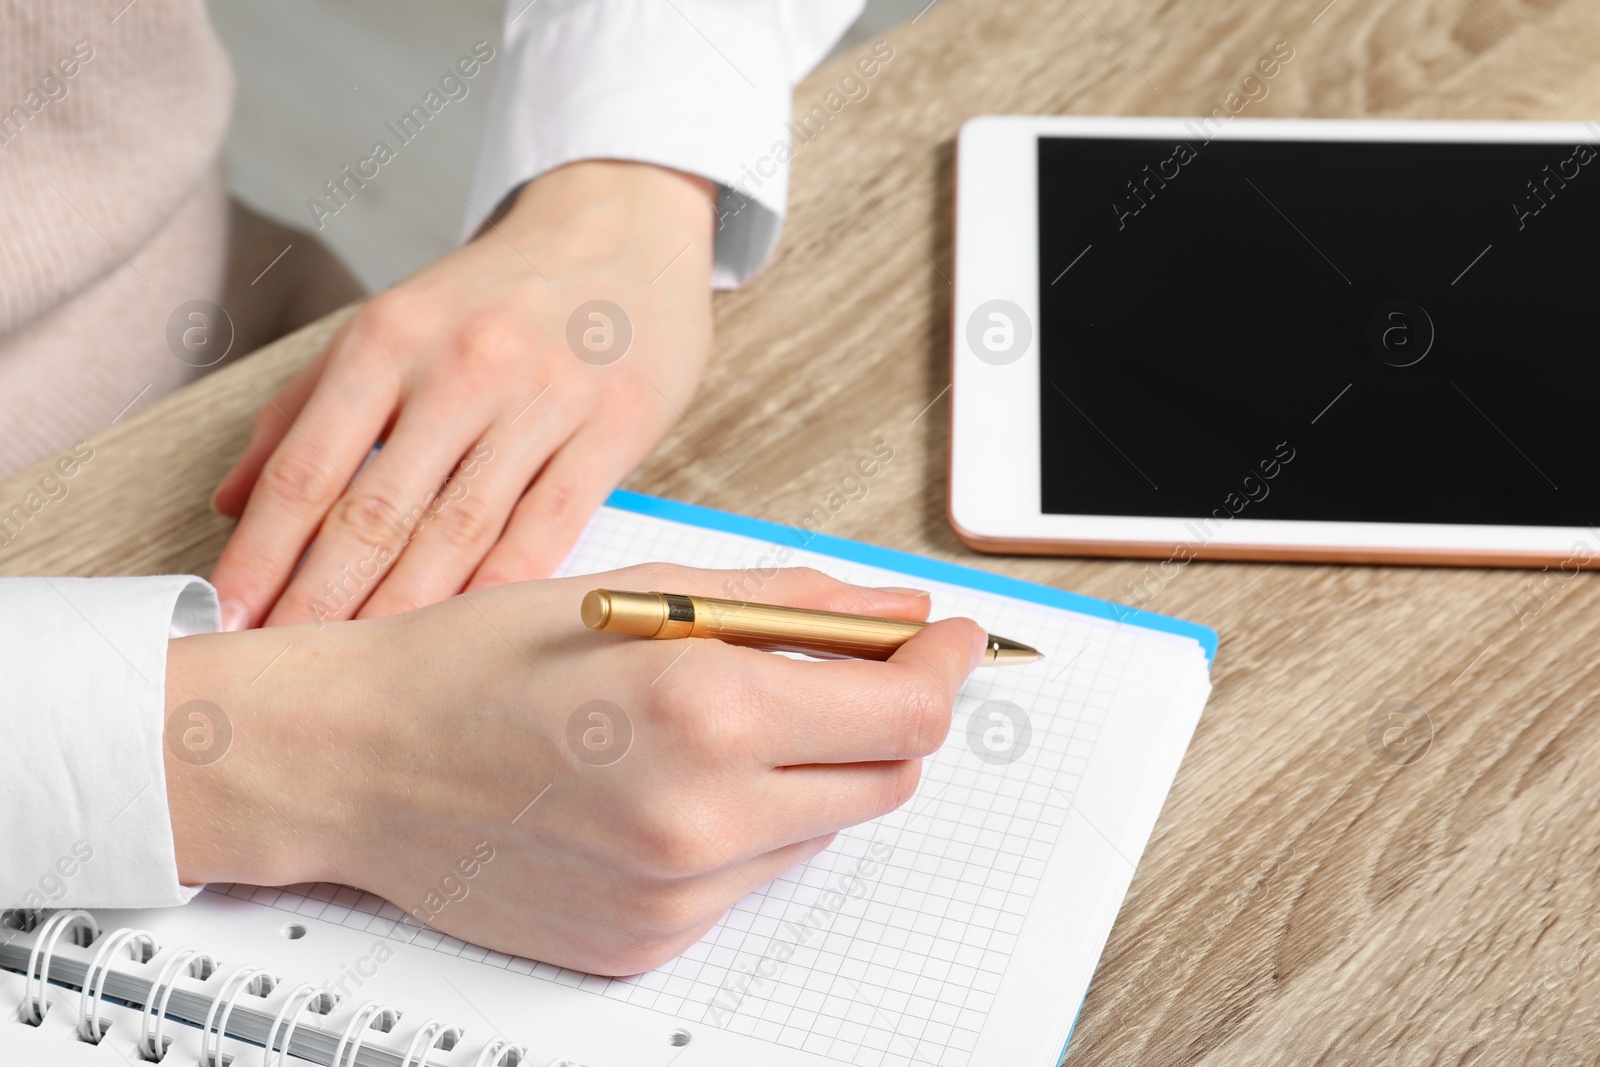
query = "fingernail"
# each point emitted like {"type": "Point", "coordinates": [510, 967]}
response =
{"type": "Point", "coordinates": [214, 509]}
{"type": "Point", "coordinates": [234, 615]}
{"type": "Point", "coordinates": [903, 590]}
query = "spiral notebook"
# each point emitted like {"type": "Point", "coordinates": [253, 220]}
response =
{"type": "Point", "coordinates": [962, 929]}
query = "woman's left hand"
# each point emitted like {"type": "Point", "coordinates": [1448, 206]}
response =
{"type": "Point", "coordinates": [514, 383]}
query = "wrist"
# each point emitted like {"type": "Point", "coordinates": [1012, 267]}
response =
{"type": "Point", "coordinates": [615, 199]}
{"type": "Point", "coordinates": [243, 806]}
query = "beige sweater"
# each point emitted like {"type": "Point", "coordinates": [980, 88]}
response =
{"type": "Point", "coordinates": [114, 213]}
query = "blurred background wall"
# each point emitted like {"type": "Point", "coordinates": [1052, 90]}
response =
{"type": "Point", "coordinates": [319, 78]}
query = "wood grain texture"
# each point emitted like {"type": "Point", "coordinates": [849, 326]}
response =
{"type": "Point", "coordinates": [1302, 901]}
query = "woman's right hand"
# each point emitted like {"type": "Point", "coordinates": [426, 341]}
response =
{"type": "Point", "coordinates": [514, 779]}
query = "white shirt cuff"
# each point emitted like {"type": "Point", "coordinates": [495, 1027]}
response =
{"type": "Point", "coordinates": [83, 662]}
{"type": "Point", "coordinates": [700, 86]}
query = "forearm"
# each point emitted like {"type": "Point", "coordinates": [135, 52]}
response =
{"type": "Point", "coordinates": [245, 721]}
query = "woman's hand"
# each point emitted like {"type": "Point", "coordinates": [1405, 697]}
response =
{"type": "Point", "coordinates": [514, 383]}
{"type": "Point", "coordinates": [509, 777]}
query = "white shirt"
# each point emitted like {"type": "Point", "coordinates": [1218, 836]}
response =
{"type": "Point", "coordinates": [701, 86]}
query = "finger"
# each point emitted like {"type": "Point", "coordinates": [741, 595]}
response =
{"type": "Point", "coordinates": [272, 424]}
{"type": "Point", "coordinates": [370, 526]}
{"type": "Point", "coordinates": [308, 471]}
{"type": "Point", "coordinates": [553, 512]}
{"type": "Point", "coordinates": [860, 710]}
{"type": "Point", "coordinates": [479, 499]}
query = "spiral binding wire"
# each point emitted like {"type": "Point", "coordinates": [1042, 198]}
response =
{"type": "Point", "coordinates": [355, 1032]}
{"type": "Point", "coordinates": [289, 1015]}
{"type": "Point", "coordinates": [44, 946]}
{"type": "Point", "coordinates": [503, 1053]}
{"type": "Point", "coordinates": [239, 983]}
{"type": "Point", "coordinates": [140, 945]}
{"type": "Point", "coordinates": [426, 1039]}
{"type": "Point", "coordinates": [94, 982]}
{"type": "Point", "coordinates": [150, 1043]}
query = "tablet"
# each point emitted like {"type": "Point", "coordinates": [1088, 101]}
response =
{"type": "Point", "coordinates": [1257, 339]}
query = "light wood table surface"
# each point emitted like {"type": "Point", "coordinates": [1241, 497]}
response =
{"type": "Point", "coordinates": [1302, 901]}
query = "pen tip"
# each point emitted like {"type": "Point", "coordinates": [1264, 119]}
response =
{"type": "Point", "coordinates": [1003, 651]}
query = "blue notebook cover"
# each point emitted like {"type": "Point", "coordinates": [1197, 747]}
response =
{"type": "Point", "coordinates": [936, 570]}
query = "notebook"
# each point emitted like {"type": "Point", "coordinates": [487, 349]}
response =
{"type": "Point", "coordinates": [962, 929]}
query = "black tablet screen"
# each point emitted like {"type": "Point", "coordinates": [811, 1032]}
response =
{"type": "Point", "coordinates": [1326, 331]}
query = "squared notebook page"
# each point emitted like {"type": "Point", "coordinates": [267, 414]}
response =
{"type": "Point", "coordinates": [961, 929]}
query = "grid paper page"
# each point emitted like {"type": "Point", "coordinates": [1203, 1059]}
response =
{"type": "Point", "coordinates": [888, 948]}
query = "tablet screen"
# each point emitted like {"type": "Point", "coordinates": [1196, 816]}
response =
{"type": "Point", "coordinates": [1319, 331]}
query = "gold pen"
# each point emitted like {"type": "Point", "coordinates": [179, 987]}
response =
{"type": "Point", "coordinates": [830, 634]}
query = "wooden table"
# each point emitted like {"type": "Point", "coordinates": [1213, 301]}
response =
{"type": "Point", "coordinates": [1302, 901]}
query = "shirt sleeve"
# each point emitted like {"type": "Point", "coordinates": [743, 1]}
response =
{"type": "Point", "coordinates": [701, 86]}
{"type": "Point", "coordinates": [83, 666]}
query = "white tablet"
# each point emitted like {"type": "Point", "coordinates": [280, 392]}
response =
{"type": "Point", "coordinates": [1258, 339]}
